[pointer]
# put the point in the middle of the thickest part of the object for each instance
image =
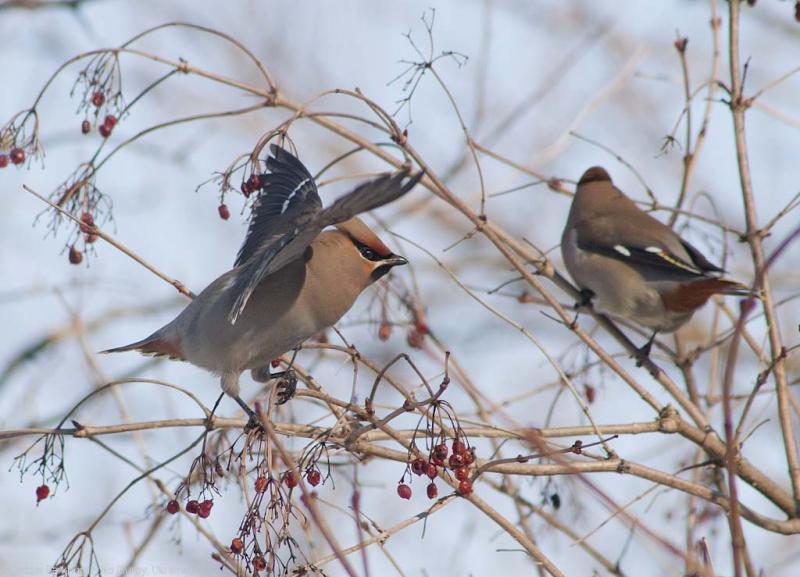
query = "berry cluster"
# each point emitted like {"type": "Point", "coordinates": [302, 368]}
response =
{"type": "Point", "coordinates": [200, 508]}
{"type": "Point", "coordinates": [19, 138]}
{"type": "Point", "coordinates": [439, 459]}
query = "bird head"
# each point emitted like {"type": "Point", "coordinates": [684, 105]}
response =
{"type": "Point", "coordinates": [374, 258]}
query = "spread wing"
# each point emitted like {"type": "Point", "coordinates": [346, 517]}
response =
{"type": "Point", "coordinates": [287, 192]}
{"type": "Point", "coordinates": [283, 227]}
{"type": "Point", "coordinates": [658, 248]}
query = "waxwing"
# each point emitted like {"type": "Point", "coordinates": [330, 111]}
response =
{"type": "Point", "coordinates": [291, 279]}
{"type": "Point", "coordinates": [630, 264]}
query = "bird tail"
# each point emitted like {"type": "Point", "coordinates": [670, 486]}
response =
{"type": "Point", "coordinates": [691, 295]}
{"type": "Point", "coordinates": [154, 345]}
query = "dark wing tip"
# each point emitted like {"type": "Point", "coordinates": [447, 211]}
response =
{"type": "Point", "coordinates": [595, 174]}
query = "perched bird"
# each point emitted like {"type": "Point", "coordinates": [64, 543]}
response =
{"type": "Point", "coordinates": [633, 266]}
{"type": "Point", "coordinates": [291, 279]}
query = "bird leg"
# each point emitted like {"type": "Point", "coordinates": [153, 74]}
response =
{"type": "Point", "coordinates": [253, 422]}
{"type": "Point", "coordinates": [585, 300]}
{"type": "Point", "coordinates": [643, 352]}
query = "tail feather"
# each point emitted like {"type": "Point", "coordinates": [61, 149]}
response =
{"type": "Point", "coordinates": [153, 346]}
{"type": "Point", "coordinates": [691, 295]}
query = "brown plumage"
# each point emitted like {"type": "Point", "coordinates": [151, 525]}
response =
{"type": "Point", "coordinates": [291, 281]}
{"type": "Point", "coordinates": [633, 265]}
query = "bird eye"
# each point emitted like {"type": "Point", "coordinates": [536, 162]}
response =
{"type": "Point", "coordinates": [368, 253]}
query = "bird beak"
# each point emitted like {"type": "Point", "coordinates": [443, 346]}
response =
{"type": "Point", "coordinates": [394, 260]}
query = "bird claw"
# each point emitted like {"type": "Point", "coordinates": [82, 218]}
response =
{"type": "Point", "coordinates": [286, 387]}
{"type": "Point", "coordinates": [585, 300]}
{"type": "Point", "coordinates": [642, 354]}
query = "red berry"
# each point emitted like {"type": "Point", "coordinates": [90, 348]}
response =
{"type": "Point", "coordinates": [87, 222]}
{"type": "Point", "coordinates": [462, 473]}
{"type": "Point", "coordinates": [290, 479]}
{"type": "Point", "coordinates": [259, 564]}
{"type": "Point", "coordinates": [110, 120]}
{"type": "Point", "coordinates": [254, 182]}
{"type": "Point", "coordinates": [17, 155]}
{"type": "Point", "coordinates": [105, 130]}
{"type": "Point", "coordinates": [173, 507]}
{"type": "Point", "coordinates": [469, 457]}
{"type": "Point", "coordinates": [465, 487]}
{"type": "Point", "coordinates": [98, 99]}
{"type": "Point", "coordinates": [404, 491]}
{"type": "Point", "coordinates": [577, 447]}
{"type": "Point", "coordinates": [275, 363]}
{"type": "Point", "coordinates": [3, 160]}
{"type": "Point", "coordinates": [192, 507]}
{"type": "Point", "coordinates": [431, 470]}
{"type": "Point", "coordinates": [313, 477]}
{"type": "Point", "coordinates": [385, 331]}
{"type": "Point", "coordinates": [458, 447]}
{"type": "Point", "coordinates": [433, 492]}
{"type": "Point", "coordinates": [223, 211]}
{"type": "Point", "coordinates": [440, 451]}
{"type": "Point", "coordinates": [421, 328]}
{"type": "Point", "coordinates": [261, 484]}
{"type": "Point", "coordinates": [589, 391]}
{"type": "Point", "coordinates": [437, 461]}
{"type": "Point", "coordinates": [86, 127]}
{"type": "Point", "coordinates": [237, 546]}
{"type": "Point", "coordinates": [418, 466]}
{"type": "Point", "coordinates": [42, 491]}
{"type": "Point", "coordinates": [456, 461]}
{"type": "Point", "coordinates": [205, 509]}
{"type": "Point", "coordinates": [415, 339]}
{"type": "Point", "coordinates": [245, 189]}
{"type": "Point", "coordinates": [90, 238]}
{"type": "Point", "coordinates": [75, 256]}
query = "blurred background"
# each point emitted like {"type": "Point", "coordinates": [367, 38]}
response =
{"type": "Point", "coordinates": [526, 77]}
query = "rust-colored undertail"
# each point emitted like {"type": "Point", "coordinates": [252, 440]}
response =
{"type": "Point", "coordinates": [694, 294]}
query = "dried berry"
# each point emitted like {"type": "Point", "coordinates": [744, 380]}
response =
{"type": "Point", "coordinates": [431, 470]}
{"type": "Point", "coordinates": [254, 182]}
{"type": "Point", "coordinates": [290, 479]}
{"type": "Point", "coordinates": [385, 331]}
{"type": "Point", "coordinates": [173, 507]}
{"type": "Point", "coordinates": [404, 491]}
{"type": "Point", "coordinates": [90, 238]}
{"type": "Point", "coordinates": [245, 189]}
{"type": "Point", "coordinates": [87, 222]}
{"type": "Point", "coordinates": [105, 130]}
{"type": "Point", "coordinates": [433, 492]}
{"type": "Point", "coordinates": [313, 477]}
{"type": "Point", "coordinates": [418, 466]}
{"type": "Point", "coordinates": [17, 155]}
{"type": "Point", "coordinates": [86, 127]}
{"type": "Point", "coordinates": [205, 509]}
{"type": "Point", "coordinates": [462, 473]}
{"type": "Point", "coordinates": [456, 460]}
{"type": "Point", "coordinates": [110, 120]}
{"type": "Point", "coordinates": [223, 211]}
{"type": "Point", "coordinates": [469, 457]}
{"type": "Point", "coordinates": [275, 363]}
{"type": "Point", "coordinates": [440, 451]}
{"type": "Point", "coordinates": [259, 563]}
{"type": "Point", "coordinates": [192, 507]}
{"type": "Point", "coordinates": [42, 491]}
{"type": "Point", "coordinates": [415, 339]}
{"type": "Point", "coordinates": [261, 484]}
{"type": "Point", "coordinates": [75, 256]}
{"type": "Point", "coordinates": [237, 546]}
{"type": "Point", "coordinates": [577, 447]}
{"type": "Point", "coordinates": [98, 99]}
{"type": "Point", "coordinates": [3, 160]}
{"type": "Point", "coordinates": [458, 447]}
{"type": "Point", "coordinates": [555, 500]}
{"type": "Point", "coordinates": [465, 487]}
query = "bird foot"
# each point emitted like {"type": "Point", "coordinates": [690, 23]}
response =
{"type": "Point", "coordinates": [253, 422]}
{"type": "Point", "coordinates": [642, 354]}
{"type": "Point", "coordinates": [586, 297]}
